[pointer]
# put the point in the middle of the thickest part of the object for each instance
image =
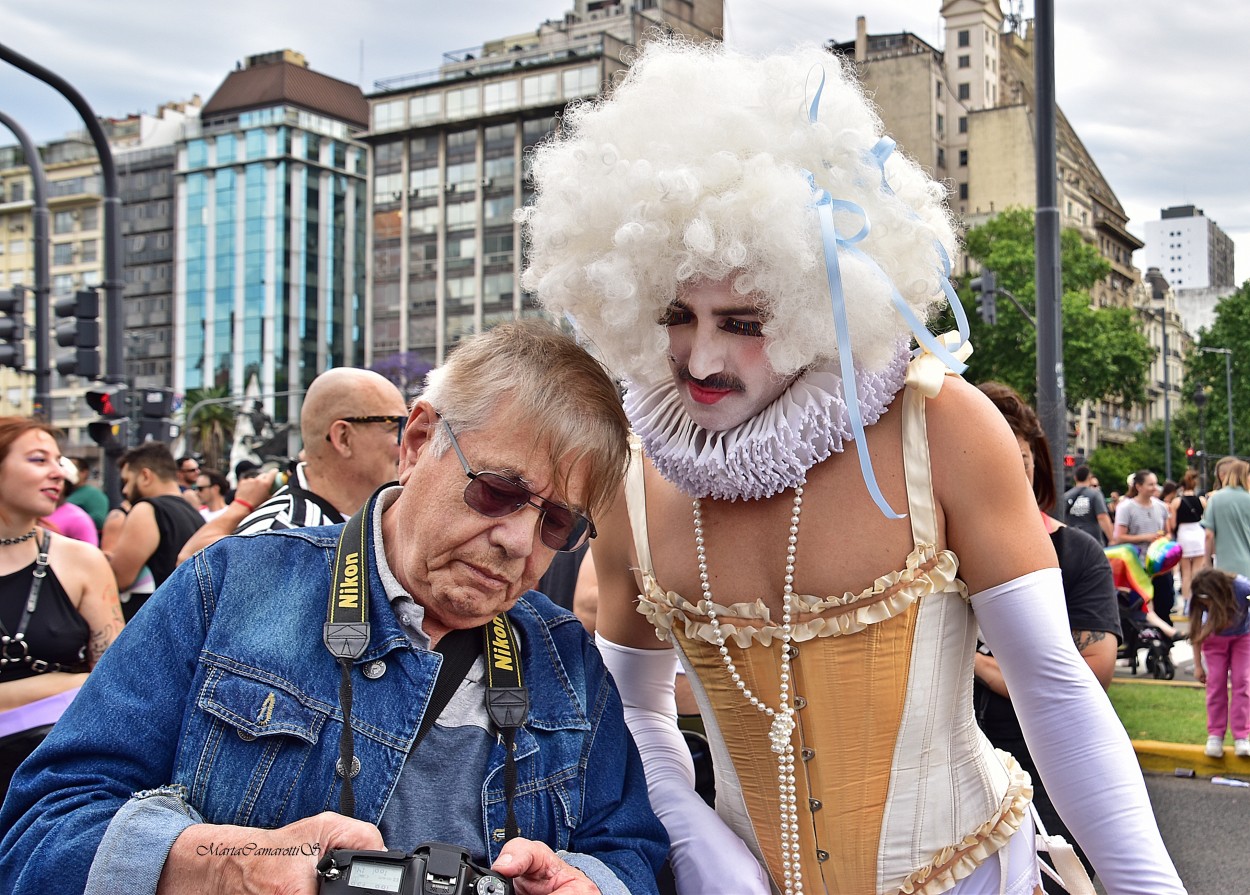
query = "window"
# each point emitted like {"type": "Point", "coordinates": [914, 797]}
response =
{"type": "Point", "coordinates": [499, 96]}
{"type": "Point", "coordinates": [500, 173]}
{"type": "Point", "coordinates": [462, 177]}
{"type": "Point", "coordinates": [423, 182]}
{"type": "Point", "coordinates": [63, 222]}
{"type": "Point", "coordinates": [941, 125]}
{"type": "Point", "coordinates": [389, 115]}
{"type": "Point", "coordinates": [424, 109]}
{"type": "Point", "coordinates": [581, 81]}
{"type": "Point", "coordinates": [963, 124]}
{"type": "Point", "coordinates": [965, 92]}
{"type": "Point", "coordinates": [89, 251]}
{"type": "Point", "coordinates": [197, 154]}
{"type": "Point", "coordinates": [963, 158]}
{"type": "Point", "coordinates": [423, 220]}
{"type": "Point", "coordinates": [941, 157]}
{"type": "Point", "coordinates": [965, 61]}
{"type": "Point", "coordinates": [499, 211]}
{"type": "Point", "coordinates": [539, 89]}
{"type": "Point", "coordinates": [500, 137]}
{"type": "Point", "coordinates": [965, 38]}
{"type": "Point", "coordinates": [463, 103]}
{"type": "Point", "coordinates": [461, 215]}
{"type": "Point", "coordinates": [62, 254]}
{"type": "Point", "coordinates": [939, 89]}
{"type": "Point", "coordinates": [388, 188]}
{"type": "Point", "coordinates": [963, 191]}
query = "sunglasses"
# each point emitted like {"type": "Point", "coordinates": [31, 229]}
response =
{"type": "Point", "coordinates": [397, 421]}
{"type": "Point", "coordinates": [495, 495]}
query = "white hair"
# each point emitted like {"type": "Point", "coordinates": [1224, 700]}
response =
{"type": "Point", "coordinates": [697, 168]}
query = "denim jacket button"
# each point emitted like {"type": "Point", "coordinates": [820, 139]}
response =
{"type": "Point", "coordinates": [374, 670]}
{"type": "Point", "coordinates": [244, 735]}
{"type": "Point", "coordinates": [338, 767]}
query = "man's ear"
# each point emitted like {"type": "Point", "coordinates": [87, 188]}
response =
{"type": "Point", "coordinates": [422, 423]}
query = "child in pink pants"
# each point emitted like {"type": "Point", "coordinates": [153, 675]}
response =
{"type": "Point", "coordinates": [1221, 602]}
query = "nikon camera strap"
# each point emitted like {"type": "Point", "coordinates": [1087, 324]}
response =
{"type": "Point", "coordinates": [346, 636]}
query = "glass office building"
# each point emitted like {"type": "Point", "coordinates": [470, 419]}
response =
{"type": "Point", "coordinates": [271, 258]}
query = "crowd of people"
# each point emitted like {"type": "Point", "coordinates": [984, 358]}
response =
{"type": "Point", "coordinates": [782, 540]}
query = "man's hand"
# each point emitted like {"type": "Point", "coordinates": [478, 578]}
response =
{"type": "Point", "coordinates": [536, 870]}
{"type": "Point", "coordinates": [257, 489]}
{"type": "Point", "coordinates": [230, 860]}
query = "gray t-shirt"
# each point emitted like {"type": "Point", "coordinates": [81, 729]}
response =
{"type": "Point", "coordinates": [1140, 520]}
{"type": "Point", "coordinates": [1084, 506]}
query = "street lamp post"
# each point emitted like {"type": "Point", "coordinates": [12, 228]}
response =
{"type": "Point", "coordinates": [1200, 401]}
{"type": "Point", "coordinates": [1228, 391]}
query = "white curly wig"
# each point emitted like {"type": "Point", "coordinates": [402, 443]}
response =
{"type": "Point", "coordinates": [696, 167]}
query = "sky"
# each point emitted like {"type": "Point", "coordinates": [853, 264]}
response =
{"type": "Point", "coordinates": [1158, 91]}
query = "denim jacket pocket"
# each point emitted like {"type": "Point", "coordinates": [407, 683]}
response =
{"type": "Point", "coordinates": [252, 738]}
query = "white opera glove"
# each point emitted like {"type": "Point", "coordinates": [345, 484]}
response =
{"type": "Point", "coordinates": [707, 857]}
{"type": "Point", "coordinates": [1076, 740]}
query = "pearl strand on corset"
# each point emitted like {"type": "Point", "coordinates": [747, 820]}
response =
{"type": "Point", "coordinates": [780, 734]}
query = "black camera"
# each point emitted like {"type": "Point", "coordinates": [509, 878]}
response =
{"type": "Point", "coordinates": [433, 868]}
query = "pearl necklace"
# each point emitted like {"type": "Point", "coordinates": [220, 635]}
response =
{"type": "Point", "coordinates": [780, 734]}
{"type": "Point", "coordinates": [5, 542]}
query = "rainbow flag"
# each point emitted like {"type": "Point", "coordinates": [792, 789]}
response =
{"type": "Point", "coordinates": [1128, 571]}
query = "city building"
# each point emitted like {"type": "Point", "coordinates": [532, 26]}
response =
{"type": "Point", "coordinates": [145, 149]}
{"type": "Point", "coordinates": [1196, 256]}
{"type": "Point", "coordinates": [143, 152]}
{"type": "Point", "coordinates": [448, 166]}
{"type": "Point", "coordinates": [75, 222]}
{"type": "Point", "coordinates": [270, 231]}
{"type": "Point", "coordinates": [966, 113]}
{"type": "Point", "coordinates": [1189, 249]}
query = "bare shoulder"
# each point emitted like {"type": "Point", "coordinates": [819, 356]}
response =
{"type": "Point", "coordinates": [965, 426]}
{"type": "Point", "coordinates": [77, 562]}
{"type": "Point", "coordinates": [979, 480]}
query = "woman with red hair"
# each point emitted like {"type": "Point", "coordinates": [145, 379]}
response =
{"type": "Point", "coordinates": [58, 596]}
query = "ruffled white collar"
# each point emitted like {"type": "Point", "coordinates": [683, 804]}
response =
{"type": "Point", "coordinates": [770, 452]}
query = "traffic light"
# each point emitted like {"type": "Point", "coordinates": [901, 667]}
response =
{"type": "Point", "coordinates": [986, 288]}
{"type": "Point", "coordinates": [78, 328]}
{"type": "Point", "coordinates": [113, 431]}
{"type": "Point", "coordinates": [155, 405]}
{"type": "Point", "coordinates": [13, 327]}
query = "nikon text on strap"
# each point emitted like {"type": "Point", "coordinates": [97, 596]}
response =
{"type": "Point", "coordinates": [346, 636]}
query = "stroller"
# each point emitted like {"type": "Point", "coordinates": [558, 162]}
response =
{"type": "Point", "coordinates": [1140, 635]}
{"type": "Point", "coordinates": [1133, 572]}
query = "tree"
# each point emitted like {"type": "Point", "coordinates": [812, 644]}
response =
{"type": "Point", "coordinates": [1105, 355]}
{"type": "Point", "coordinates": [407, 369]}
{"type": "Point", "coordinates": [212, 428]}
{"type": "Point", "coordinates": [1113, 463]}
{"type": "Point", "coordinates": [1231, 330]}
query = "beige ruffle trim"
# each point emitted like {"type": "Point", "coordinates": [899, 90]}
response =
{"type": "Point", "coordinates": [928, 571]}
{"type": "Point", "coordinates": [955, 862]}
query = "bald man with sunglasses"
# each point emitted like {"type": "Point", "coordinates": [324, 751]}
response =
{"type": "Point", "coordinates": [351, 423]}
{"type": "Point", "coordinates": [208, 751]}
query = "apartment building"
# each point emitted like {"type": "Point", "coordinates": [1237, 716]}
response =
{"type": "Point", "coordinates": [449, 149]}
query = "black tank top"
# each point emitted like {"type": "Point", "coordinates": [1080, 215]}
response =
{"type": "Point", "coordinates": [1189, 510]}
{"type": "Point", "coordinates": [176, 520]}
{"type": "Point", "coordinates": [55, 632]}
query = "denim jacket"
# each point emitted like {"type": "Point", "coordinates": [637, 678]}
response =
{"type": "Point", "coordinates": [220, 702]}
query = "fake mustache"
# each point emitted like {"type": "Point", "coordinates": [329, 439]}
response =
{"type": "Point", "coordinates": [716, 382]}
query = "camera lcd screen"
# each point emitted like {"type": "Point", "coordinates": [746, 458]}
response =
{"type": "Point", "coordinates": [376, 875]}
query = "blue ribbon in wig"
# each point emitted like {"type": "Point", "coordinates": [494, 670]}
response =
{"type": "Point", "coordinates": [834, 242]}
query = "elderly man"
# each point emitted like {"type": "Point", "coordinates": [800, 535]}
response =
{"type": "Point", "coordinates": [206, 750]}
{"type": "Point", "coordinates": [351, 423]}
